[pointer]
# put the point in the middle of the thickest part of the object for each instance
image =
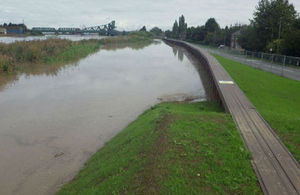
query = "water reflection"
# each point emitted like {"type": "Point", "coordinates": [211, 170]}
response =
{"type": "Point", "coordinates": [54, 69]}
{"type": "Point", "coordinates": [6, 79]}
{"type": "Point", "coordinates": [180, 55]}
{"type": "Point", "coordinates": [177, 50]}
{"type": "Point", "coordinates": [174, 49]}
{"type": "Point", "coordinates": [133, 46]}
{"type": "Point", "coordinates": [12, 39]}
{"type": "Point", "coordinates": [202, 70]}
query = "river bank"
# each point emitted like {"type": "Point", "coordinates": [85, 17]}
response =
{"type": "Point", "coordinates": [172, 148]}
{"type": "Point", "coordinates": [14, 56]}
{"type": "Point", "coordinates": [20, 35]}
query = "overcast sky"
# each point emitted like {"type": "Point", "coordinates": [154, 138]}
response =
{"type": "Point", "coordinates": [128, 14]}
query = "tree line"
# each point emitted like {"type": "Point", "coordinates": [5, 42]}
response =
{"type": "Point", "coordinates": [275, 27]}
{"type": "Point", "coordinates": [210, 33]}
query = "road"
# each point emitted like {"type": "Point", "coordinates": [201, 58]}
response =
{"type": "Point", "coordinates": [284, 71]}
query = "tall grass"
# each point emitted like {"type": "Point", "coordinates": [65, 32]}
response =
{"type": "Point", "coordinates": [133, 37]}
{"type": "Point", "coordinates": [17, 55]}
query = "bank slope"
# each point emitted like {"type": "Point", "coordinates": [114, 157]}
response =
{"type": "Point", "coordinates": [172, 148]}
{"type": "Point", "coordinates": [276, 98]}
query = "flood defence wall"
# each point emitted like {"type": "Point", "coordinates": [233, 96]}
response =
{"type": "Point", "coordinates": [211, 86]}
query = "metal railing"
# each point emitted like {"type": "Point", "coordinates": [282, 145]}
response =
{"type": "Point", "coordinates": [286, 66]}
{"type": "Point", "coordinates": [274, 58]}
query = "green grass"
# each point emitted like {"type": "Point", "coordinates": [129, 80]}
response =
{"type": "Point", "coordinates": [74, 52]}
{"type": "Point", "coordinates": [172, 148]}
{"type": "Point", "coordinates": [276, 98]}
{"type": "Point", "coordinates": [133, 37]}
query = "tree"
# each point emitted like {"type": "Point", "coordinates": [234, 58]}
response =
{"type": "Point", "coordinates": [182, 28]}
{"type": "Point", "coordinates": [210, 38]}
{"type": "Point", "coordinates": [197, 34]}
{"type": "Point", "coordinates": [212, 28]}
{"type": "Point", "coordinates": [291, 42]}
{"type": "Point", "coordinates": [211, 25]}
{"type": "Point", "coordinates": [143, 29]}
{"type": "Point", "coordinates": [272, 18]}
{"type": "Point", "coordinates": [168, 33]}
{"type": "Point", "coordinates": [156, 31]}
{"type": "Point", "coordinates": [175, 30]}
{"type": "Point", "coordinates": [248, 39]}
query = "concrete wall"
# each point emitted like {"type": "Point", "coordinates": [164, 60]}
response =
{"type": "Point", "coordinates": [209, 85]}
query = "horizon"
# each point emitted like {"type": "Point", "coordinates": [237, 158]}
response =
{"type": "Point", "coordinates": [129, 15]}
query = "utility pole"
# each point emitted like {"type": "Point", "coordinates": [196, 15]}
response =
{"type": "Point", "coordinates": [279, 35]}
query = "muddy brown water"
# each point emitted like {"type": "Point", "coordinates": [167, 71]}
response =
{"type": "Point", "coordinates": [52, 119]}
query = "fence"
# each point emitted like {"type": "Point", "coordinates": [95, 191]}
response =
{"type": "Point", "coordinates": [286, 66]}
{"type": "Point", "coordinates": [275, 58]}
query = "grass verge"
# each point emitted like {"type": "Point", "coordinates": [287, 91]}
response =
{"type": "Point", "coordinates": [172, 148]}
{"type": "Point", "coordinates": [133, 37]}
{"type": "Point", "coordinates": [276, 98]}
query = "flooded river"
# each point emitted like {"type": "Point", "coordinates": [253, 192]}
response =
{"type": "Point", "coordinates": [54, 118]}
{"type": "Point", "coordinates": [12, 39]}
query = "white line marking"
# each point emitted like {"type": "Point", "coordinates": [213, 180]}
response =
{"type": "Point", "coordinates": [226, 82]}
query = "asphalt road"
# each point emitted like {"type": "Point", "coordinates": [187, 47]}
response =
{"type": "Point", "coordinates": [284, 71]}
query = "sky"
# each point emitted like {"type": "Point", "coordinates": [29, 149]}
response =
{"type": "Point", "coordinates": [128, 14]}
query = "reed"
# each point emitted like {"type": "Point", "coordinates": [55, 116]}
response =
{"type": "Point", "coordinates": [19, 54]}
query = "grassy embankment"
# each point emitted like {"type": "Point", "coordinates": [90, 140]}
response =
{"type": "Point", "coordinates": [172, 148]}
{"type": "Point", "coordinates": [134, 37]}
{"type": "Point", "coordinates": [276, 98]}
{"type": "Point", "coordinates": [16, 56]}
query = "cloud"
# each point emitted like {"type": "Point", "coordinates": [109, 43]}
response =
{"type": "Point", "coordinates": [129, 14]}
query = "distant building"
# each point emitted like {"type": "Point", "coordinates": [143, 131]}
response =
{"type": "Point", "coordinates": [2, 31]}
{"type": "Point", "coordinates": [15, 29]}
{"type": "Point", "coordinates": [234, 40]}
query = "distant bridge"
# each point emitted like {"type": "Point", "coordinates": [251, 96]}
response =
{"type": "Point", "coordinates": [105, 29]}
